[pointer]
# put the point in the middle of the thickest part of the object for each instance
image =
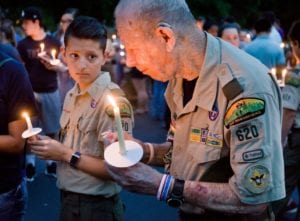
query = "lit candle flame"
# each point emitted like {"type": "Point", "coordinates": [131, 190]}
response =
{"type": "Point", "coordinates": [114, 37]}
{"type": "Point", "coordinates": [273, 72]}
{"type": "Point", "coordinates": [117, 116]}
{"type": "Point", "coordinates": [53, 54]}
{"type": "Point", "coordinates": [42, 46]}
{"type": "Point", "coordinates": [28, 121]}
{"type": "Point", "coordinates": [282, 45]}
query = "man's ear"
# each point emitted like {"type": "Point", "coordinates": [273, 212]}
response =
{"type": "Point", "coordinates": [166, 34]}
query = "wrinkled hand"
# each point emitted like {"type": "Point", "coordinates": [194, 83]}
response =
{"type": "Point", "coordinates": [139, 178]}
{"type": "Point", "coordinates": [47, 149]}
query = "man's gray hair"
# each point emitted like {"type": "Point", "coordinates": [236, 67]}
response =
{"type": "Point", "coordinates": [149, 13]}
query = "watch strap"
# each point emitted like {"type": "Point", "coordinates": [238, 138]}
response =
{"type": "Point", "coordinates": [74, 159]}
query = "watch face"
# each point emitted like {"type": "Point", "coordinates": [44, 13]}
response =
{"type": "Point", "coordinates": [174, 202]}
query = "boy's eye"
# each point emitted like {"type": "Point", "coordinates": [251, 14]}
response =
{"type": "Point", "coordinates": [92, 57]}
{"type": "Point", "coordinates": [73, 55]}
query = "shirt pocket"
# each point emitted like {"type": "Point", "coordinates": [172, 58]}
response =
{"type": "Point", "coordinates": [89, 144]}
{"type": "Point", "coordinates": [201, 153]}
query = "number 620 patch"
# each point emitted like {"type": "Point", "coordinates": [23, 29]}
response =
{"type": "Point", "coordinates": [247, 132]}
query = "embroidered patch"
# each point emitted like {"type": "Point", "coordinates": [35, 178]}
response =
{"type": "Point", "coordinates": [293, 81]}
{"type": "Point", "coordinates": [127, 125]}
{"type": "Point", "coordinates": [204, 133]}
{"type": "Point", "coordinates": [213, 114]}
{"type": "Point", "coordinates": [195, 135]}
{"type": "Point", "coordinates": [214, 140]}
{"type": "Point", "coordinates": [247, 132]}
{"type": "Point", "coordinates": [125, 110]}
{"type": "Point", "coordinates": [244, 109]}
{"type": "Point", "coordinates": [253, 155]}
{"type": "Point", "coordinates": [256, 179]}
{"type": "Point", "coordinates": [93, 103]}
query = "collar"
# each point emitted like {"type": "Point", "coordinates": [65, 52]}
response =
{"type": "Point", "coordinates": [96, 89]}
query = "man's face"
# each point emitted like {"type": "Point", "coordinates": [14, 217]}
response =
{"type": "Point", "coordinates": [30, 27]}
{"type": "Point", "coordinates": [148, 55]}
{"type": "Point", "coordinates": [84, 58]}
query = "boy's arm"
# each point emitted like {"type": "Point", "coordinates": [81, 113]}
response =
{"type": "Point", "coordinates": [49, 149]}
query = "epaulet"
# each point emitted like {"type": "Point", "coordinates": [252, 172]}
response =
{"type": "Point", "coordinates": [123, 103]}
{"type": "Point", "coordinates": [232, 89]}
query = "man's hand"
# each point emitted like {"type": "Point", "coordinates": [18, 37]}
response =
{"type": "Point", "coordinates": [139, 178]}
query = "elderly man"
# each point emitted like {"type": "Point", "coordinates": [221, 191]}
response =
{"type": "Point", "coordinates": [223, 155]}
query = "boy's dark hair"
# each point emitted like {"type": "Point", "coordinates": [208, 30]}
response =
{"type": "Point", "coordinates": [32, 13]}
{"type": "Point", "coordinates": [294, 32]}
{"type": "Point", "coordinates": [85, 27]}
{"type": "Point", "coordinates": [262, 25]}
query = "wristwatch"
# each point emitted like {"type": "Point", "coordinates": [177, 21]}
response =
{"type": "Point", "coordinates": [74, 159]}
{"type": "Point", "coordinates": [176, 197]}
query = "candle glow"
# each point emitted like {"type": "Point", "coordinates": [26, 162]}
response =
{"type": "Point", "coordinates": [42, 46]}
{"type": "Point", "coordinates": [28, 121]}
{"type": "Point", "coordinates": [117, 116]}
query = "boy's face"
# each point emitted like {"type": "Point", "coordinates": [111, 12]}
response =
{"type": "Point", "coordinates": [84, 58]}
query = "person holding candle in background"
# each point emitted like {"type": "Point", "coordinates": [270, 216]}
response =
{"type": "Point", "coordinates": [291, 124]}
{"type": "Point", "coordinates": [223, 155]}
{"type": "Point", "coordinates": [42, 78]}
{"type": "Point", "coordinates": [87, 114]}
{"type": "Point", "coordinates": [16, 96]}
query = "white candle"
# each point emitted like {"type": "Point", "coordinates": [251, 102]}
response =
{"type": "Point", "coordinates": [283, 74]}
{"type": "Point", "coordinates": [273, 72]}
{"type": "Point", "coordinates": [42, 46]}
{"type": "Point", "coordinates": [122, 148]}
{"type": "Point", "coordinates": [28, 121]}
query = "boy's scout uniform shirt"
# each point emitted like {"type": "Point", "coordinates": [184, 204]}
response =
{"type": "Point", "coordinates": [86, 115]}
{"type": "Point", "coordinates": [235, 112]}
{"type": "Point", "coordinates": [291, 93]}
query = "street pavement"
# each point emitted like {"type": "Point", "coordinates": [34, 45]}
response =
{"type": "Point", "coordinates": [44, 199]}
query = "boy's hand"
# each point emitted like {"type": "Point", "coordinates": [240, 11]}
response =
{"type": "Point", "coordinates": [48, 149]}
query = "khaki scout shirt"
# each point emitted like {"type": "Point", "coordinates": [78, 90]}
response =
{"type": "Point", "coordinates": [85, 117]}
{"type": "Point", "coordinates": [246, 127]}
{"type": "Point", "coordinates": [291, 93]}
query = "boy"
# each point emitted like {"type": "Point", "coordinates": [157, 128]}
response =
{"type": "Point", "coordinates": [86, 190]}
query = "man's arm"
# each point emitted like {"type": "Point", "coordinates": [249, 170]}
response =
{"type": "Point", "coordinates": [159, 152]}
{"type": "Point", "coordinates": [217, 196]}
{"type": "Point", "coordinates": [13, 142]}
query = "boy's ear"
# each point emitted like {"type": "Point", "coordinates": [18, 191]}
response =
{"type": "Point", "coordinates": [63, 53]}
{"type": "Point", "coordinates": [165, 33]}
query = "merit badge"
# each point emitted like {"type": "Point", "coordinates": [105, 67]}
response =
{"type": "Point", "coordinates": [125, 110]}
{"type": "Point", "coordinates": [213, 114]}
{"type": "Point", "coordinates": [204, 133]}
{"type": "Point", "coordinates": [253, 155]}
{"type": "Point", "coordinates": [195, 135]}
{"type": "Point", "coordinates": [93, 103]}
{"type": "Point", "coordinates": [293, 81]}
{"type": "Point", "coordinates": [256, 179]}
{"type": "Point", "coordinates": [214, 140]}
{"type": "Point", "coordinates": [244, 109]}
